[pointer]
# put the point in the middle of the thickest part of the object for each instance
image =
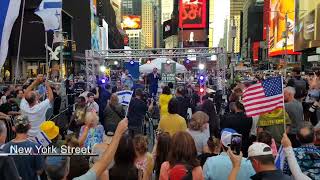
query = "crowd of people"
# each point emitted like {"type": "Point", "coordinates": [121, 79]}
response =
{"type": "Point", "coordinates": [193, 139]}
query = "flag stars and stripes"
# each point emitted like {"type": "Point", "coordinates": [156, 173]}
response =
{"type": "Point", "coordinates": [263, 97]}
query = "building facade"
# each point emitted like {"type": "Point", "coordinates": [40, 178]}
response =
{"type": "Point", "coordinates": [148, 23]}
{"type": "Point", "coordinates": [131, 7]}
{"type": "Point", "coordinates": [236, 7]}
{"type": "Point", "coordinates": [136, 38]}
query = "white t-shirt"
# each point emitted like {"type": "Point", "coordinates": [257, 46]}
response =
{"type": "Point", "coordinates": [93, 106]}
{"type": "Point", "coordinates": [36, 114]}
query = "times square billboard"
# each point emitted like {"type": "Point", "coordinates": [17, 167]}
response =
{"type": "Point", "coordinates": [277, 26]}
{"type": "Point", "coordinates": [192, 14]}
{"type": "Point", "coordinates": [307, 27]}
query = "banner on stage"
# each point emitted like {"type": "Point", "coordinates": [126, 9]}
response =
{"type": "Point", "coordinates": [168, 72]}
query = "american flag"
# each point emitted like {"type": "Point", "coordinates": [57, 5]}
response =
{"type": "Point", "coordinates": [263, 97]}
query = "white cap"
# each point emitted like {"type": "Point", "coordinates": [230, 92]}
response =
{"type": "Point", "coordinates": [259, 149]}
{"type": "Point", "coordinates": [226, 135]}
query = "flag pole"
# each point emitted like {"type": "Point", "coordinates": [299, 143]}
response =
{"type": "Point", "coordinates": [284, 108]}
{"type": "Point", "coordinates": [19, 43]}
{"type": "Point", "coordinates": [47, 55]}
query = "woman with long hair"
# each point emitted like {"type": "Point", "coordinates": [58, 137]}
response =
{"type": "Point", "coordinates": [124, 167]}
{"type": "Point", "coordinates": [183, 152]}
{"type": "Point", "coordinates": [113, 114]}
{"type": "Point", "coordinates": [164, 99]}
{"type": "Point", "coordinates": [161, 151]}
{"type": "Point", "coordinates": [144, 160]}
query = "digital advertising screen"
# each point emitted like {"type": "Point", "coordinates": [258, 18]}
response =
{"type": "Point", "coordinates": [169, 28]}
{"type": "Point", "coordinates": [277, 26]}
{"type": "Point", "coordinates": [194, 35]}
{"type": "Point", "coordinates": [192, 13]}
{"type": "Point", "coordinates": [131, 22]}
{"type": "Point", "coordinates": [307, 27]}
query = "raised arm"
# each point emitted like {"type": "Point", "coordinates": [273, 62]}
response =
{"type": "Point", "coordinates": [34, 84]}
{"type": "Point", "coordinates": [49, 90]}
{"type": "Point", "coordinates": [108, 155]}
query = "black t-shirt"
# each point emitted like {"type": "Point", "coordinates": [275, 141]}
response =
{"type": "Point", "coordinates": [8, 169]}
{"type": "Point", "coordinates": [137, 112]}
{"type": "Point", "coordinates": [240, 123]}
{"type": "Point", "coordinates": [7, 107]}
{"type": "Point", "coordinates": [184, 104]}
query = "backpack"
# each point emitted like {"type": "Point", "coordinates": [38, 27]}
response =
{"type": "Point", "coordinates": [180, 172]}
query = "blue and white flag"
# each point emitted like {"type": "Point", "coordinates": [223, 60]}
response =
{"type": "Point", "coordinates": [9, 11]}
{"type": "Point", "coordinates": [125, 97]}
{"type": "Point", "coordinates": [50, 13]}
{"type": "Point", "coordinates": [279, 161]}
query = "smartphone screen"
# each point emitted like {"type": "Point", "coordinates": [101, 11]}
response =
{"type": "Point", "coordinates": [236, 143]}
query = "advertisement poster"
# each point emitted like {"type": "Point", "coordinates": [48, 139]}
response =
{"type": "Point", "coordinates": [95, 30]}
{"type": "Point", "coordinates": [131, 22]}
{"type": "Point", "coordinates": [277, 26]}
{"type": "Point", "coordinates": [192, 14]}
{"type": "Point", "coordinates": [168, 72]}
{"type": "Point", "coordinates": [307, 34]}
{"type": "Point", "coordinates": [104, 45]}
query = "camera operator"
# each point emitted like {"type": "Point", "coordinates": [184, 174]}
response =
{"type": "Point", "coordinates": [136, 113]}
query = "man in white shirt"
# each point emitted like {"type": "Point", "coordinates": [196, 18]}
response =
{"type": "Point", "coordinates": [33, 109]}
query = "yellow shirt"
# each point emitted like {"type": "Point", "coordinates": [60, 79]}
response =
{"type": "Point", "coordinates": [172, 123]}
{"type": "Point", "coordinates": [164, 101]}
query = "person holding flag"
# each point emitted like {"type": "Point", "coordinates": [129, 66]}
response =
{"type": "Point", "coordinates": [266, 98]}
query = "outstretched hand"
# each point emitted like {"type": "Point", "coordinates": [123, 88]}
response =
{"type": "Point", "coordinates": [235, 159]}
{"type": "Point", "coordinates": [285, 141]}
{"type": "Point", "coordinates": [122, 126]}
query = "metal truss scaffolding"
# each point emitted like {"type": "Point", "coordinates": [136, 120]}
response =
{"type": "Point", "coordinates": [96, 58]}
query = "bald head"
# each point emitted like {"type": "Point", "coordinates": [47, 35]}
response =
{"type": "Point", "coordinates": [289, 93]}
{"type": "Point", "coordinates": [306, 133]}
{"type": "Point", "coordinates": [31, 98]}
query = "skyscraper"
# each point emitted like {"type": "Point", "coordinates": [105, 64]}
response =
{"type": "Point", "coordinates": [131, 7]}
{"type": "Point", "coordinates": [236, 6]}
{"type": "Point", "coordinates": [211, 21]}
{"type": "Point", "coordinates": [148, 26]}
{"type": "Point", "coordinates": [166, 10]}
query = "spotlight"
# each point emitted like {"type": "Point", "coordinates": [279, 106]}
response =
{"type": "Point", "coordinates": [131, 62]}
{"type": "Point", "coordinates": [116, 62]}
{"type": "Point", "coordinates": [148, 62]}
{"type": "Point", "coordinates": [201, 77]}
{"type": "Point", "coordinates": [168, 61]}
{"type": "Point", "coordinates": [103, 81]}
{"type": "Point", "coordinates": [201, 90]}
{"type": "Point", "coordinates": [201, 66]}
{"type": "Point", "coordinates": [102, 68]}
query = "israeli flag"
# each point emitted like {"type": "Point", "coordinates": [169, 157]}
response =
{"type": "Point", "coordinates": [9, 11]}
{"type": "Point", "coordinates": [125, 97]}
{"type": "Point", "coordinates": [279, 161]}
{"type": "Point", "coordinates": [50, 13]}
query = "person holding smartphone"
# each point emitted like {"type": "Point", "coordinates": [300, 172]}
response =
{"type": "Point", "coordinates": [219, 167]}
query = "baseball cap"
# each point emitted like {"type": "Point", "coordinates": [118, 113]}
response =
{"type": "Point", "coordinates": [50, 129]}
{"type": "Point", "coordinates": [259, 149]}
{"type": "Point", "coordinates": [21, 120]}
{"type": "Point", "coordinates": [226, 135]}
